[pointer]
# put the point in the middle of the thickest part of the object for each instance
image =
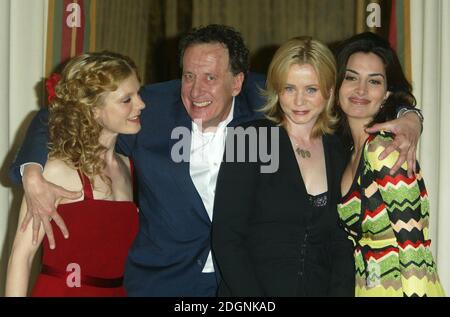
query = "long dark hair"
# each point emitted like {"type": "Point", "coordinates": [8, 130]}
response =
{"type": "Point", "coordinates": [397, 84]}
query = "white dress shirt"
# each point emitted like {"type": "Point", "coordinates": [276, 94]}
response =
{"type": "Point", "coordinates": [205, 158]}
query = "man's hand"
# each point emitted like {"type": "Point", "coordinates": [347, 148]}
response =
{"type": "Point", "coordinates": [42, 198]}
{"type": "Point", "coordinates": [407, 131]}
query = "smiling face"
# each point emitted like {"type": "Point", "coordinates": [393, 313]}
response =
{"type": "Point", "coordinates": [301, 99]}
{"type": "Point", "coordinates": [364, 88]}
{"type": "Point", "coordinates": [208, 85]}
{"type": "Point", "coordinates": [121, 108]}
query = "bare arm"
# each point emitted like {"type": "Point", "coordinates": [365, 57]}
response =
{"type": "Point", "coordinates": [21, 258]}
{"type": "Point", "coordinates": [407, 131]}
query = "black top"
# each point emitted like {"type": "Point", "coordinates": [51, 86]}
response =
{"type": "Point", "coordinates": [268, 237]}
{"type": "Point", "coordinates": [318, 201]}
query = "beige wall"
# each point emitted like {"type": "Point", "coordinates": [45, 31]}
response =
{"type": "Point", "coordinates": [430, 30]}
{"type": "Point", "coordinates": [22, 67]}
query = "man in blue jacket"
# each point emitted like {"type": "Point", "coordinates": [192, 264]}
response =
{"type": "Point", "coordinates": [171, 255]}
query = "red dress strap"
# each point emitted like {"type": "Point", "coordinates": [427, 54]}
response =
{"type": "Point", "coordinates": [87, 187]}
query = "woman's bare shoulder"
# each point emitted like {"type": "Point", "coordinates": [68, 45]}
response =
{"type": "Point", "coordinates": [60, 173]}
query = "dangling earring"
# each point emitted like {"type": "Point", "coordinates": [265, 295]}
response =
{"type": "Point", "coordinates": [382, 104]}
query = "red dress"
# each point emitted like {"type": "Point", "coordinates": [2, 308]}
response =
{"type": "Point", "coordinates": [92, 261]}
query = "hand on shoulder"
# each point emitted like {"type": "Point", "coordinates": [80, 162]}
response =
{"type": "Point", "coordinates": [376, 144]}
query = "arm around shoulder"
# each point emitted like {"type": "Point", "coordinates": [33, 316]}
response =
{"type": "Point", "coordinates": [34, 147]}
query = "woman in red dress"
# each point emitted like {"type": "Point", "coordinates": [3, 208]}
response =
{"type": "Point", "coordinates": [94, 100]}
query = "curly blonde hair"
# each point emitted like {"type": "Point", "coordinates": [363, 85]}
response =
{"type": "Point", "coordinates": [300, 51]}
{"type": "Point", "coordinates": [73, 131]}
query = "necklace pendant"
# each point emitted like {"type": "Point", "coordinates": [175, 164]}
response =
{"type": "Point", "coordinates": [303, 153]}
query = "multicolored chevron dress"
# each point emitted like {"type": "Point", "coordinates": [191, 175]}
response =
{"type": "Point", "coordinates": [387, 219]}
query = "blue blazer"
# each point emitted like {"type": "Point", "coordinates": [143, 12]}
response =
{"type": "Point", "coordinates": [174, 237]}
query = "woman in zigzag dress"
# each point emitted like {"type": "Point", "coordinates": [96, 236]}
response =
{"type": "Point", "coordinates": [385, 215]}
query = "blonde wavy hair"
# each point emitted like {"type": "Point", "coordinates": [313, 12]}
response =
{"type": "Point", "coordinates": [300, 51]}
{"type": "Point", "coordinates": [73, 131]}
